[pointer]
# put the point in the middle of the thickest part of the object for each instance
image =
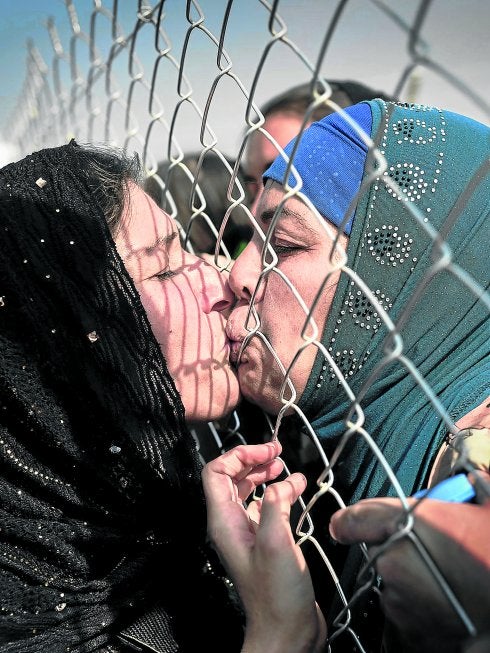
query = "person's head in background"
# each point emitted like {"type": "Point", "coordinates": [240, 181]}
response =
{"type": "Point", "coordinates": [213, 178]}
{"type": "Point", "coordinates": [284, 115]}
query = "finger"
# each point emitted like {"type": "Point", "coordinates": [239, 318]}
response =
{"type": "Point", "coordinates": [258, 476]}
{"type": "Point", "coordinates": [228, 524]}
{"type": "Point", "coordinates": [371, 521]}
{"type": "Point", "coordinates": [219, 475]}
{"type": "Point", "coordinates": [254, 509]}
{"type": "Point", "coordinates": [238, 462]}
{"type": "Point", "coordinates": [276, 509]}
{"type": "Point", "coordinates": [322, 630]}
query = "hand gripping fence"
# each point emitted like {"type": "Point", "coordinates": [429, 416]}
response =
{"type": "Point", "coordinates": [129, 74]}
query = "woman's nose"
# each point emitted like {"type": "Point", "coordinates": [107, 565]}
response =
{"type": "Point", "coordinates": [245, 273]}
{"type": "Point", "coordinates": [216, 292]}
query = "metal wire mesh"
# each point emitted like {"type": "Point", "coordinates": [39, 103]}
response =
{"type": "Point", "coordinates": [125, 77]}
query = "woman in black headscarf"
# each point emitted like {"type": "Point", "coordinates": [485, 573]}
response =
{"type": "Point", "coordinates": [105, 323]}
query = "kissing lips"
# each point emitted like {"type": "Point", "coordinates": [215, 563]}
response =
{"type": "Point", "coordinates": [235, 339]}
{"type": "Point", "coordinates": [235, 347]}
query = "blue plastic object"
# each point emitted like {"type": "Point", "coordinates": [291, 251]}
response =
{"type": "Point", "coordinates": [456, 489]}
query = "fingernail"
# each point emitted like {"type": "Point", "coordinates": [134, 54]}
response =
{"type": "Point", "coordinates": [331, 527]}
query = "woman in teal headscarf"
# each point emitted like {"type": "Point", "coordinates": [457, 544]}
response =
{"type": "Point", "coordinates": [439, 161]}
{"type": "Point", "coordinates": [401, 228]}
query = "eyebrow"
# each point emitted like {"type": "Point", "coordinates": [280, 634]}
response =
{"type": "Point", "coordinates": [162, 240]}
{"type": "Point", "coordinates": [267, 216]}
{"type": "Point", "coordinates": [148, 251]}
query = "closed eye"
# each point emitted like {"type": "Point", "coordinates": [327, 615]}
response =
{"type": "Point", "coordinates": [285, 250]}
{"type": "Point", "coordinates": [166, 274]}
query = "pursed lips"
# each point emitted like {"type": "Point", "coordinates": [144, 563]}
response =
{"type": "Point", "coordinates": [237, 333]}
{"type": "Point", "coordinates": [235, 342]}
{"type": "Point", "coordinates": [236, 338]}
{"type": "Point", "coordinates": [235, 347]}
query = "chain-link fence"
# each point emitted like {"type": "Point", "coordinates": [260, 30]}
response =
{"type": "Point", "coordinates": [169, 78]}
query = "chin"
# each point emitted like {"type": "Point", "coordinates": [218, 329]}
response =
{"type": "Point", "coordinates": [259, 391]}
{"type": "Point", "coordinates": [268, 404]}
{"type": "Point", "coordinates": [220, 407]}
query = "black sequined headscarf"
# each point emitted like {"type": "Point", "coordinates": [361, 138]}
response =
{"type": "Point", "coordinates": [101, 510]}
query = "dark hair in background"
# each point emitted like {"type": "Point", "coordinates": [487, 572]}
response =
{"type": "Point", "coordinates": [298, 102]}
{"type": "Point", "coordinates": [297, 99]}
{"type": "Point", "coordinates": [213, 179]}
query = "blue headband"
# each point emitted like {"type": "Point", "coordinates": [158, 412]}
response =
{"type": "Point", "coordinates": [330, 160]}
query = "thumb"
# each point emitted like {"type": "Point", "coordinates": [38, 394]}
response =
{"type": "Point", "coordinates": [371, 521]}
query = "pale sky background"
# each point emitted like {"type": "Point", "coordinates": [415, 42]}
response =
{"type": "Point", "coordinates": [367, 46]}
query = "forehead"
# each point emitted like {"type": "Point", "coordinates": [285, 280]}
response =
{"type": "Point", "coordinates": [270, 198]}
{"type": "Point", "coordinates": [143, 223]}
{"type": "Point", "coordinates": [294, 214]}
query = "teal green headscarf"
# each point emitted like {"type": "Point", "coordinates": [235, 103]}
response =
{"type": "Point", "coordinates": [440, 161]}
